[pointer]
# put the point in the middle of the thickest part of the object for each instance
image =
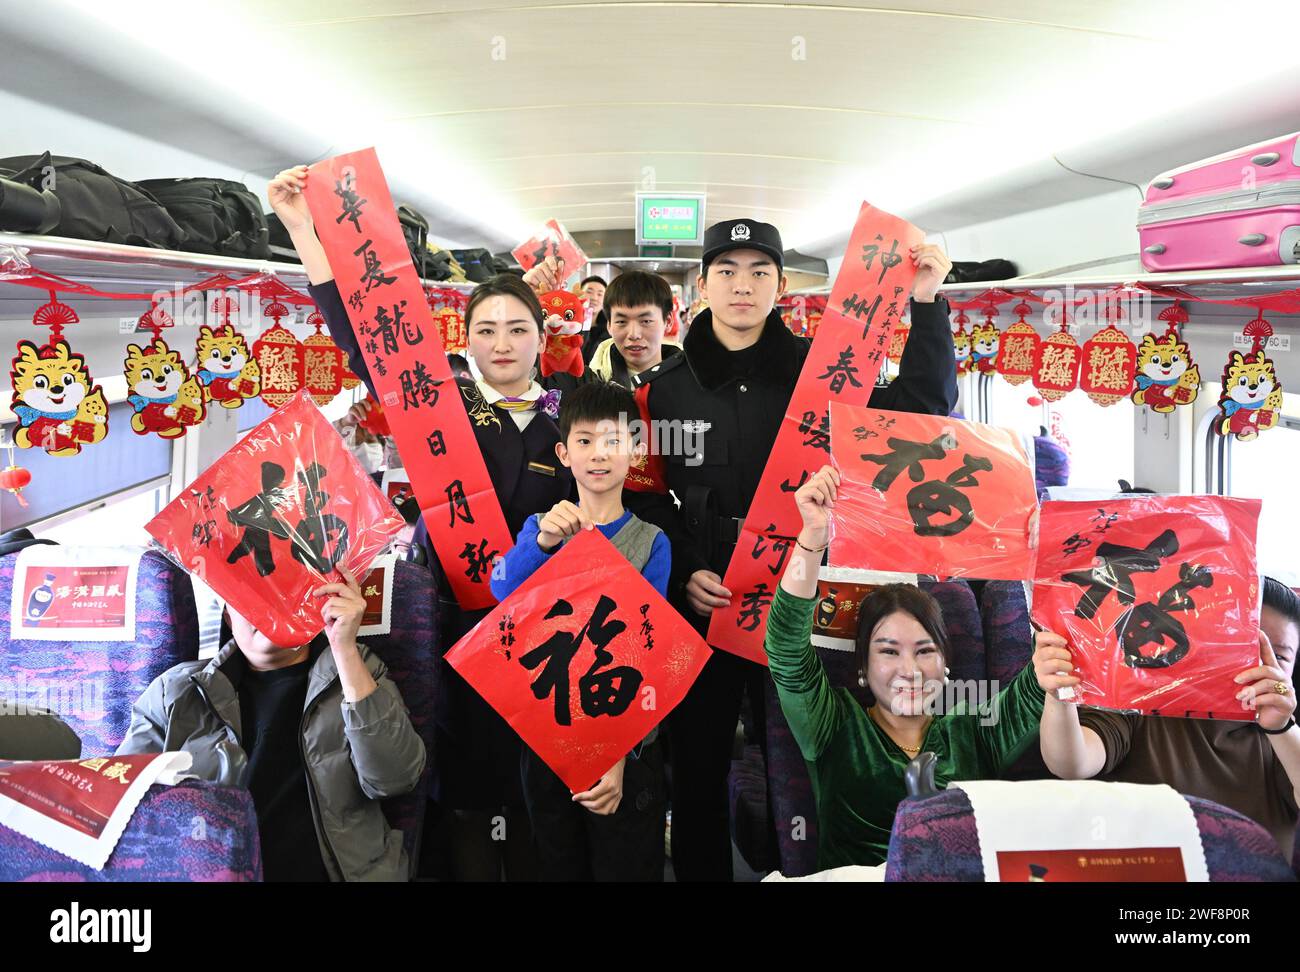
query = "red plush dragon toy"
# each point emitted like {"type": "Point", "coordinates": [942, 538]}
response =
{"type": "Point", "coordinates": [562, 350]}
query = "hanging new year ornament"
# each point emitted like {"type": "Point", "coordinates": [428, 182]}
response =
{"type": "Point", "coordinates": [961, 343]}
{"type": "Point", "coordinates": [1166, 374]}
{"type": "Point", "coordinates": [278, 354]}
{"type": "Point", "coordinates": [1109, 362]}
{"type": "Point", "coordinates": [1016, 348]}
{"type": "Point", "coordinates": [166, 399]}
{"type": "Point", "coordinates": [322, 363]}
{"type": "Point", "coordinates": [1056, 363]}
{"type": "Point", "coordinates": [1251, 400]}
{"type": "Point", "coordinates": [985, 339]}
{"type": "Point", "coordinates": [58, 405]}
{"type": "Point", "coordinates": [225, 364]}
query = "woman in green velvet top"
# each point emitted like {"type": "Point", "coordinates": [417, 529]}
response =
{"type": "Point", "coordinates": [857, 758]}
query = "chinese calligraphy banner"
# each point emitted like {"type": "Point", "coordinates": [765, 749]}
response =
{"type": "Point", "coordinates": [869, 295]}
{"type": "Point", "coordinates": [929, 494]}
{"type": "Point", "coordinates": [81, 807]}
{"type": "Point", "coordinates": [583, 659]}
{"type": "Point", "coordinates": [358, 227]}
{"type": "Point", "coordinates": [270, 520]}
{"type": "Point", "coordinates": [1158, 597]}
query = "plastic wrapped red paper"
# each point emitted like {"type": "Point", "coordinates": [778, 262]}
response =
{"type": "Point", "coordinates": [551, 240]}
{"type": "Point", "coordinates": [269, 521]}
{"type": "Point", "coordinates": [929, 494]}
{"type": "Point", "coordinates": [1158, 597]}
{"type": "Point", "coordinates": [583, 659]}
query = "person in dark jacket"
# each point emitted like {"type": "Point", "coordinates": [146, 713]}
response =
{"type": "Point", "coordinates": [476, 779]}
{"type": "Point", "coordinates": [730, 389]}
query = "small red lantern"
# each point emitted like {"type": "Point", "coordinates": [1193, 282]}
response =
{"type": "Point", "coordinates": [1109, 363]}
{"type": "Point", "coordinates": [322, 363]}
{"type": "Point", "coordinates": [1056, 363]}
{"type": "Point", "coordinates": [14, 478]}
{"type": "Point", "coordinates": [279, 359]}
{"type": "Point", "coordinates": [1017, 347]}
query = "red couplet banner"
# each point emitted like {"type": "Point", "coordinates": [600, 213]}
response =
{"type": "Point", "coordinates": [270, 520]}
{"type": "Point", "coordinates": [358, 227]}
{"type": "Point", "coordinates": [583, 659]}
{"type": "Point", "coordinates": [869, 295]}
{"type": "Point", "coordinates": [928, 494]}
{"type": "Point", "coordinates": [1158, 597]}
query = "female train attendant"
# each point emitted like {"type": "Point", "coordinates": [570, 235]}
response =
{"type": "Point", "coordinates": [513, 418]}
{"type": "Point", "coordinates": [857, 758]}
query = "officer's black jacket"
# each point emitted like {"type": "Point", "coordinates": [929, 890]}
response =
{"type": "Point", "coordinates": [740, 399]}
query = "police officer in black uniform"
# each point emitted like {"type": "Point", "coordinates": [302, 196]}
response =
{"type": "Point", "coordinates": [730, 389]}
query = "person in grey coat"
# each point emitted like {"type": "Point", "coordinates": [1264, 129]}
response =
{"type": "Point", "coordinates": [319, 734]}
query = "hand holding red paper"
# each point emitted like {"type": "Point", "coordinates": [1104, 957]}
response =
{"type": "Point", "coordinates": [269, 521]}
{"type": "Point", "coordinates": [1158, 597]}
{"type": "Point", "coordinates": [582, 660]}
{"type": "Point", "coordinates": [929, 494]}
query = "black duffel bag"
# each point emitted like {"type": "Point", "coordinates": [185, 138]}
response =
{"type": "Point", "coordinates": [93, 204]}
{"type": "Point", "coordinates": [981, 272]}
{"type": "Point", "coordinates": [281, 242]}
{"type": "Point", "coordinates": [220, 217]}
{"type": "Point", "coordinates": [476, 263]}
{"type": "Point", "coordinates": [416, 230]}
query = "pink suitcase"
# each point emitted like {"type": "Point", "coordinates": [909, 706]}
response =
{"type": "Point", "coordinates": [1239, 209]}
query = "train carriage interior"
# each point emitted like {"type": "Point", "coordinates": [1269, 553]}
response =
{"type": "Point", "coordinates": [1111, 185]}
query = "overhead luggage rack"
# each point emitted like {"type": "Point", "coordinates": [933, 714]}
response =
{"type": "Point", "coordinates": [117, 268]}
{"type": "Point", "coordinates": [1241, 282]}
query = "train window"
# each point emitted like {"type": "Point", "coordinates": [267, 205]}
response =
{"type": "Point", "coordinates": [111, 523]}
{"type": "Point", "coordinates": [63, 486]}
{"type": "Point", "coordinates": [1098, 439]}
{"type": "Point", "coordinates": [1268, 468]}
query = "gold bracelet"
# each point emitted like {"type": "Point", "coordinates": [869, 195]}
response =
{"type": "Point", "coordinates": [810, 549]}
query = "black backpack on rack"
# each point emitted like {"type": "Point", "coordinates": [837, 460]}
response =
{"type": "Point", "coordinates": [220, 217]}
{"type": "Point", "coordinates": [476, 263]}
{"type": "Point", "coordinates": [93, 204]}
{"type": "Point", "coordinates": [416, 230]}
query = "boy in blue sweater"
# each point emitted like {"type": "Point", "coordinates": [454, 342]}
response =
{"type": "Point", "coordinates": [615, 830]}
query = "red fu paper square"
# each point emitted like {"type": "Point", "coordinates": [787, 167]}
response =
{"type": "Point", "coordinates": [928, 494]}
{"type": "Point", "coordinates": [551, 240]}
{"type": "Point", "coordinates": [269, 520]}
{"type": "Point", "coordinates": [583, 660]}
{"type": "Point", "coordinates": [1158, 597]}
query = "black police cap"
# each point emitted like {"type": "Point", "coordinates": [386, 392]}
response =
{"type": "Point", "coordinates": [746, 234]}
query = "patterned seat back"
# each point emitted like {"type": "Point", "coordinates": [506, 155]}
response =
{"type": "Point", "coordinates": [1009, 646]}
{"type": "Point", "coordinates": [93, 684]}
{"type": "Point", "coordinates": [194, 831]}
{"type": "Point", "coordinates": [409, 651]}
{"type": "Point", "coordinates": [935, 839]}
{"type": "Point", "coordinates": [961, 619]}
